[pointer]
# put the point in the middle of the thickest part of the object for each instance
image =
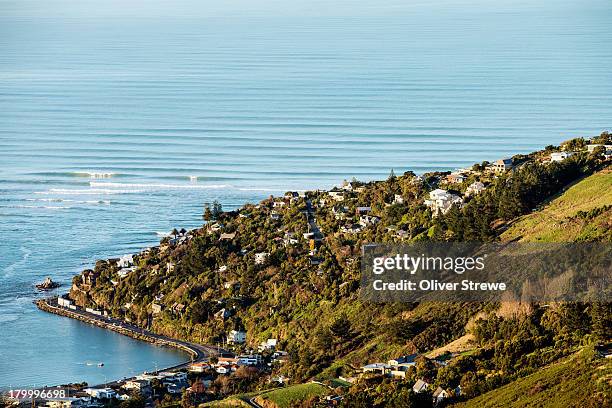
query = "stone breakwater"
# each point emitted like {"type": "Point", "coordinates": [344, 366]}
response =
{"type": "Point", "coordinates": [196, 351]}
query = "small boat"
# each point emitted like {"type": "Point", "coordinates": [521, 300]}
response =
{"type": "Point", "coordinates": [100, 364]}
{"type": "Point", "coordinates": [47, 284]}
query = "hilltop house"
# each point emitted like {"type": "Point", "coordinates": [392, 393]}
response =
{"type": "Point", "coordinates": [440, 201]}
{"type": "Point", "coordinates": [377, 368]}
{"type": "Point", "coordinates": [362, 211]}
{"type": "Point", "coordinates": [398, 199]}
{"type": "Point", "coordinates": [560, 156]}
{"type": "Point", "coordinates": [501, 165]}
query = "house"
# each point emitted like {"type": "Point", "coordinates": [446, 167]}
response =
{"type": "Point", "coordinates": [222, 369]}
{"type": "Point", "coordinates": [69, 402]}
{"type": "Point", "coordinates": [351, 228]}
{"type": "Point", "coordinates": [456, 178]}
{"type": "Point", "coordinates": [440, 201]}
{"type": "Point", "coordinates": [420, 386]}
{"type": "Point", "coordinates": [141, 386]}
{"type": "Point", "coordinates": [236, 337]}
{"type": "Point", "coordinates": [101, 393]}
{"type": "Point", "coordinates": [501, 165]}
{"type": "Point", "coordinates": [156, 308]}
{"type": "Point", "coordinates": [377, 368]}
{"type": "Point", "coordinates": [280, 356]}
{"type": "Point", "coordinates": [336, 195]}
{"type": "Point", "coordinates": [178, 308]}
{"type": "Point", "coordinates": [227, 236]}
{"type": "Point", "coordinates": [398, 199]}
{"type": "Point", "coordinates": [591, 148]}
{"type": "Point", "coordinates": [225, 360]}
{"type": "Point", "coordinates": [269, 344]}
{"type": "Point", "coordinates": [275, 216]}
{"type": "Point", "coordinates": [232, 285]}
{"type": "Point", "coordinates": [290, 239]}
{"type": "Point", "coordinates": [439, 395]}
{"type": "Point", "coordinates": [362, 211]}
{"type": "Point", "coordinates": [475, 188]}
{"type": "Point", "coordinates": [170, 267]}
{"type": "Point", "coordinates": [560, 156]}
{"type": "Point", "coordinates": [366, 220]}
{"type": "Point", "coordinates": [216, 227]}
{"type": "Point", "coordinates": [250, 360]}
{"type": "Point", "coordinates": [125, 261]}
{"type": "Point", "coordinates": [261, 257]}
{"type": "Point", "coordinates": [62, 301]}
{"type": "Point", "coordinates": [278, 204]}
{"type": "Point", "coordinates": [89, 277]}
{"type": "Point", "coordinates": [403, 361]}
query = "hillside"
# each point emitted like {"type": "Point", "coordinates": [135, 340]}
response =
{"type": "Point", "coordinates": [580, 381]}
{"type": "Point", "coordinates": [582, 212]}
{"type": "Point", "coordinates": [289, 268]}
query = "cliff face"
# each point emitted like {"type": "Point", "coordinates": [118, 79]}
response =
{"type": "Point", "coordinates": [289, 268]}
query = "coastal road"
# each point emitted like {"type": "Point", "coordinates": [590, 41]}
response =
{"type": "Point", "coordinates": [199, 352]}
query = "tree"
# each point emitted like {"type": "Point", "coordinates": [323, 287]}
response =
{"type": "Point", "coordinates": [391, 176]}
{"type": "Point", "coordinates": [175, 232]}
{"type": "Point", "coordinates": [341, 327]}
{"type": "Point", "coordinates": [217, 210]}
{"type": "Point", "coordinates": [207, 215]}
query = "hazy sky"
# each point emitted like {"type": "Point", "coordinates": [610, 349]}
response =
{"type": "Point", "coordinates": [222, 8]}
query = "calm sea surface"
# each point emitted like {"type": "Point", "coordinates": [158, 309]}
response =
{"type": "Point", "coordinates": [114, 130]}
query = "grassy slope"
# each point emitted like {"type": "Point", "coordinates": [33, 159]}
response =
{"type": "Point", "coordinates": [554, 223]}
{"type": "Point", "coordinates": [286, 397]}
{"type": "Point", "coordinates": [578, 381]}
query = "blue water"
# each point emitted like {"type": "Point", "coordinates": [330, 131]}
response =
{"type": "Point", "coordinates": [250, 101]}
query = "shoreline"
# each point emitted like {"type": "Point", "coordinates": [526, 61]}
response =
{"type": "Point", "coordinates": [197, 352]}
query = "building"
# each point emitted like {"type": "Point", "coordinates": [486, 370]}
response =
{"type": "Point", "coordinates": [261, 257]}
{"type": "Point", "coordinates": [336, 195]}
{"type": "Point", "coordinates": [227, 236]}
{"type": "Point", "coordinates": [475, 188]}
{"type": "Point", "coordinates": [501, 165]}
{"type": "Point", "coordinates": [398, 199]}
{"type": "Point", "coordinates": [236, 337]}
{"type": "Point", "coordinates": [61, 301]}
{"type": "Point", "coordinates": [199, 367]}
{"type": "Point", "coordinates": [125, 261]}
{"type": "Point", "coordinates": [350, 229]}
{"type": "Point", "coordinates": [156, 308]}
{"type": "Point", "coordinates": [250, 360]}
{"type": "Point", "coordinates": [362, 211]}
{"type": "Point", "coordinates": [456, 178]}
{"type": "Point", "coordinates": [69, 402]}
{"type": "Point", "coordinates": [89, 277]}
{"type": "Point", "coordinates": [269, 344]}
{"type": "Point", "coordinates": [101, 393]}
{"type": "Point", "coordinates": [143, 387]}
{"type": "Point", "coordinates": [366, 220]}
{"type": "Point", "coordinates": [405, 361]}
{"type": "Point", "coordinates": [420, 386]}
{"type": "Point", "coordinates": [377, 368]}
{"type": "Point", "coordinates": [440, 201]}
{"type": "Point", "coordinates": [439, 395]}
{"type": "Point", "coordinates": [560, 156]}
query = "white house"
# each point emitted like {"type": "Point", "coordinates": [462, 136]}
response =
{"type": "Point", "coordinates": [439, 395]}
{"type": "Point", "coordinates": [560, 156]}
{"type": "Point", "coordinates": [125, 261]}
{"type": "Point", "coordinates": [501, 165]}
{"type": "Point", "coordinates": [398, 199]}
{"type": "Point", "coordinates": [379, 368]}
{"type": "Point", "coordinates": [102, 393]}
{"type": "Point", "coordinates": [261, 257]}
{"type": "Point", "coordinates": [475, 188]}
{"type": "Point", "coordinates": [269, 344]}
{"type": "Point", "coordinates": [250, 360]}
{"type": "Point", "coordinates": [440, 201]}
{"type": "Point", "coordinates": [236, 337]}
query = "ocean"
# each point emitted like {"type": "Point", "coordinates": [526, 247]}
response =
{"type": "Point", "coordinates": [116, 127]}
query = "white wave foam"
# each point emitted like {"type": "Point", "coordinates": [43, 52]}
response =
{"type": "Point", "coordinates": [154, 186]}
{"type": "Point", "coordinates": [94, 174]}
{"type": "Point", "coordinates": [93, 191]}
{"type": "Point", "coordinates": [162, 234]}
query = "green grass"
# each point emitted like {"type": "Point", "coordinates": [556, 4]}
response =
{"type": "Point", "coordinates": [557, 221]}
{"type": "Point", "coordinates": [578, 381]}
{"type": "Point", "coordinates": [287, 397]}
